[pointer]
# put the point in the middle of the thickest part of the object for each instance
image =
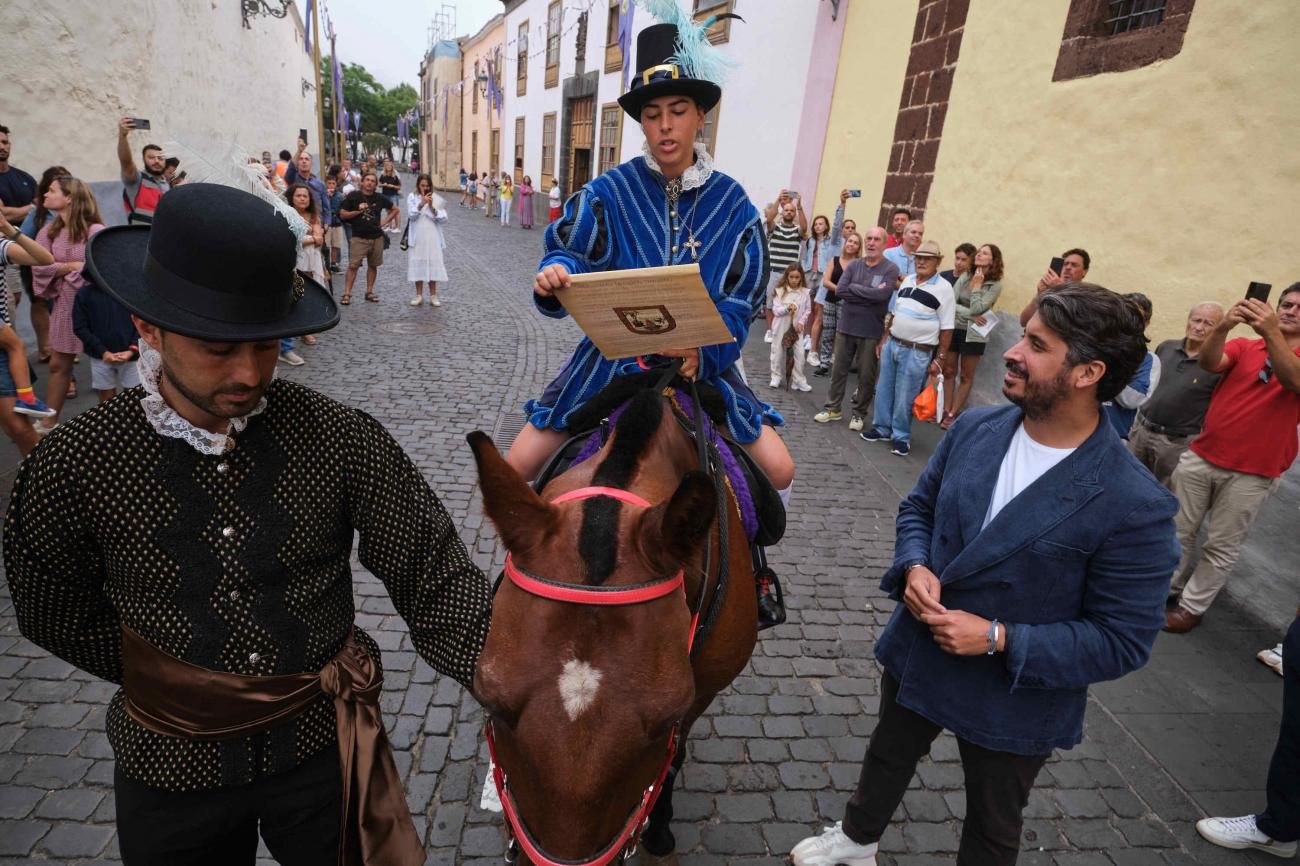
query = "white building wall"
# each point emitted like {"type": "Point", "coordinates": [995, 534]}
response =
{"type": "Point", "coordinates": [761, 103]}
{"type": "Point", "coordinates": [190, 68]}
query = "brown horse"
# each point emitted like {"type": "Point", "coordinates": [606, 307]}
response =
{"type": "Point", "coordinates": [583, 699]}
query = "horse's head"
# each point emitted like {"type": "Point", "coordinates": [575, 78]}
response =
{"type": "Point", "coordinates": [584, 698]}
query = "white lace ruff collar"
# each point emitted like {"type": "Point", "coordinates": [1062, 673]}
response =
{"type": "Point", "coordinates": [693, 177]}
{"type": "Point", "coordinates": [165, 420]}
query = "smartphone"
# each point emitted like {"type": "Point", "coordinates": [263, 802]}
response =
{"type": "Point", "coordinates": [855, 193]}
{"type": "Point", "coordinates": [140, 123]}
{"type": "Point", "coordinates": [302, 133]}
{"type": "Point", "coordinates": [1057, 265]}
{"type": "Point", "coordinates": [1259, 291]}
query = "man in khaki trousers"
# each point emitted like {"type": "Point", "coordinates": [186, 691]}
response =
{"type": "Point", "coordinates": [1248, 441]}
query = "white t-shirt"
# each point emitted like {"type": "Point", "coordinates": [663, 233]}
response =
{"type": "Point", "coordinates": [921, 312]}
{"type": "Point", "coordinates": [554, 196]}
{"type": "Point", "coordinates": [1024, 463]}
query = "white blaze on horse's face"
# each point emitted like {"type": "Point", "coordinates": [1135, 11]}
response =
{"type": "Point", "coordinates": [578, 684]}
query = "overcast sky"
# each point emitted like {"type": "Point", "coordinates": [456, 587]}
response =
{"type": "Point", "coordinates": [390, 38]}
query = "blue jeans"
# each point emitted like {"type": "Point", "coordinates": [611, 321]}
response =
{"type": "Point", "coordinates": [902, 374]}
{"type": "Point", "coordinates": [286, 344]}
{"type": "Point", "coordinates": [1281, 820]}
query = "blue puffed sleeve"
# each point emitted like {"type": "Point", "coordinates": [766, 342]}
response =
{"type": "Point", "coordinates": [579, 241]}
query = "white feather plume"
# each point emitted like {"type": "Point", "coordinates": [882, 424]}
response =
{"type": "Point", "coordinates": [229, 166]}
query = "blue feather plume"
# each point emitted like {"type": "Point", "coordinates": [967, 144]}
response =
{"type": "Point", "coordinates": [695, 54]}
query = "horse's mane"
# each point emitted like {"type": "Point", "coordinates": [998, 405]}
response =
{"type": "Point", "coordinates": [624, 388]}
{"type": "Point", "coordinates": [633, 432]}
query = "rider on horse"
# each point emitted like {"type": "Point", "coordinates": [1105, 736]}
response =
{"type": "Point", "coordinates": [666, 207]}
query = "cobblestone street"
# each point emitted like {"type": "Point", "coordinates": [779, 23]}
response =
{"type": "Point", "coordinates": [779, 752]}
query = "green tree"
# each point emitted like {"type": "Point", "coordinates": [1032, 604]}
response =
{"type": "Point", "coordinates": [379, 106]}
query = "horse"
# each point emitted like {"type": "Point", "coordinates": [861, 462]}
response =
{"type": "Point", "coordinates": [597, 664]}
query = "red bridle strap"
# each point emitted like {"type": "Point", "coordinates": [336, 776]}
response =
{"type": "Point", "coordinates": [626, 841]}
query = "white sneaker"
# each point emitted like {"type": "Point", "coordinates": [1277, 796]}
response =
{"type": "Point", "coordinates": [292, 358]}
{"type": "Point", "coordinates": [826, 415]}
{"type": "Point", "coordinates": [802, 386]}
{"type": "Point", "coordinates": [1240, 834]}
{"type": "Point", "coordinates": [1272, 658]}
{"type": "Point", "coordinates": [435, 302]}
{"type": "Point", "coordinates": [832, 847]}
{"type": "Point", "coordinates": [856, 424]}
{"type": "Point", "coordinates": [767, 337]}
{"type": "Point", "coordinates": [814, 359]}
{"type": "Point", "coordinates": [416, 301]}
{"type": "Point", "coordinates": [774, 382]}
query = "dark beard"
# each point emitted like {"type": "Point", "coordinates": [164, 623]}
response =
{"type": "Point", "coordinates": [206, 403]}
{"type": "Point", "coordinates": [1039, 398]}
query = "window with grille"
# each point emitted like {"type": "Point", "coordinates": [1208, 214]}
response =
{"type": "Point", "coordinates": [554, 20]}
{"type": "Point", "coordinates": [519, 149]}
{"type": "Point", "coordinates": [704, 9]}
{"type": "Point", "coordinates": [1124, 16]}
{"type": "Point", "coordinates": [1107, 36]}
{"type": "Point", "coordinates": [613, 53]}
{"type": "Point", "coordinates": [611, 135]}
{"type": "Point", "coordinates": [709, 132]}
{"type": "Point", "coordinates": [474, 90]}
{"type": "Point", "coordinates": [548, 148]}
{"type": "Point", "coordinates": [473, 152]}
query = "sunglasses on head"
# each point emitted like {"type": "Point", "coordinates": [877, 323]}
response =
{"type": "Point", "coordinates": [1266, 373]}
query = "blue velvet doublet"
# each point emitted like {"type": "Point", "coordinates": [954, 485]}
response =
{"type": "Point", "coordinates": [622, 220]}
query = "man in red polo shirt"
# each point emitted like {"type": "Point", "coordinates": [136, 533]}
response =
{"type": "Point", "coordinates": [1248, 441]}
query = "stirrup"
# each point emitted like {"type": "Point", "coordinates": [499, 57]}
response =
{"type": "Point", "coordinates": [771, 600]}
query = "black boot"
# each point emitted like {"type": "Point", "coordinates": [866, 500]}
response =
{"type": "Point", "coordinates": [771, 601]}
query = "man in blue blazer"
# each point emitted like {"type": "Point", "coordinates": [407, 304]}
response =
{"type": "Point", "coordinates": [1032, 559]}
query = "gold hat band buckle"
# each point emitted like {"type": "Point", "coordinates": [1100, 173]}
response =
{"type": "Point", "coordinates": [670, 68]}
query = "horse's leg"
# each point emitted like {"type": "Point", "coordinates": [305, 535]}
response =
{"type": "Point", "coordinates": [658, 845]}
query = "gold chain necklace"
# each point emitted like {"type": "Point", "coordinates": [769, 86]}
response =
{"type": "Point", "coordinates": [674, 192]}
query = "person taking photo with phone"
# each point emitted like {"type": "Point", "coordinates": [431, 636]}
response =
{"type": "Point", "coordinates": [1248, 441]}
{"type": "Point", "coordinates": [140, 189]}
{"type": "Point", "coordinates": [1073, 268]}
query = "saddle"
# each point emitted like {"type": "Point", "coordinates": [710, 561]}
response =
{"type": "Point", "coordinates": [752, 483]}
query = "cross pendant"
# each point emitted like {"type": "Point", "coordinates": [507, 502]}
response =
{"type": "Point", "coordinates": [693, 245]}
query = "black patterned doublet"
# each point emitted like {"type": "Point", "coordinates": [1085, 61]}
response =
{"type": "Point", "coordinates": [237, 563]}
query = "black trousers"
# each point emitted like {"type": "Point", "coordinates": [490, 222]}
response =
{"type": "Point", "coordinates": [997, 784]}
{"type": "Point", "coordinates": [1281, 819]}
{"type": "Point", "coordinates": [298, 813]}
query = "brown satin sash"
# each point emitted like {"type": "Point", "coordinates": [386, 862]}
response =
{"type": "Point", "coordinates": [177, 699]}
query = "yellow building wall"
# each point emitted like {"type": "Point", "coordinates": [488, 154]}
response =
{"type": "Point", "coordinates": [860, 134]}
{"type": "Point", "coordinates": [1181, 178]}
{"type": "Point", "coordinates": [480, 47]}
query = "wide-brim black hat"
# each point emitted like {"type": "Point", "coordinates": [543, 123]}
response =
{"type": "Point", "coordinates": [217, 264]}
{"type": "Point", "coordinates": [656, 76]}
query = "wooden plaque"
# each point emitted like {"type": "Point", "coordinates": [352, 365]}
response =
{"type": "Point", "coordinates": [645, 310]}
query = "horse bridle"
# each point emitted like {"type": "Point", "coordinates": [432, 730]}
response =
{"type": "Point", "coordinates": [623, 845]}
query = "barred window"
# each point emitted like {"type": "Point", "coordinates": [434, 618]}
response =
{"type": "Point", "coordinates": [611, 134]}
{"type": "Point", "coordinates": [548, 148]}
{"type": "Point", "coordinates": [1125, 16]}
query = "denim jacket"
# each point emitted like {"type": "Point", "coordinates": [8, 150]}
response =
{"type": "Point", "coordinates": [827, 248]}
{"type": "Point", "coordinates": [1077, 566]}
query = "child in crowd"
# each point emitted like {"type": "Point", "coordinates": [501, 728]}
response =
{"type": "Point", "coordinates": [108, 337]}
{"type": "Point", "coordinates": [791, 307]}
{"type": "Point", "coordinates": [334, 234]}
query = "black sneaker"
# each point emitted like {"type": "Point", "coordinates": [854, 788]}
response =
{"type": "Point", "coordinates": [871, 435]}
{"type": "Point", "coordinates": [822, 371]}
{"type": "Point", "coordinates": [901, 448]}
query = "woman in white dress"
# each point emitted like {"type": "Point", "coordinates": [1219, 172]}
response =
{"type": "Point", "coordinates": [425, 243]}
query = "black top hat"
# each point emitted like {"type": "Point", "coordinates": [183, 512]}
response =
{"type": "Point", "coordinates": [655, 76]}
{"type": "Point", "coordinates": [217, 264]}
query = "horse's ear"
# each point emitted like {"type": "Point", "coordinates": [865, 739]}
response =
{"type": "Point", "coordinates": [672, 532]}
{"type": "Point", "coordinates": [522, 518]}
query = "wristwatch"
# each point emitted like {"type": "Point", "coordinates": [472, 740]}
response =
{"type": "Point", "coordinates": [17, 232]}
{"type": "Point", "coordinates": [920, 563]}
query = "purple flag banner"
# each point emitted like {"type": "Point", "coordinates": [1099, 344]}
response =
{"type": "Point", "coordinates": [306, 28]}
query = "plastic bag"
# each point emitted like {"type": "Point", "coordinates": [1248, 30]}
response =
{"type": "Point", "coordinates": [928, 405]}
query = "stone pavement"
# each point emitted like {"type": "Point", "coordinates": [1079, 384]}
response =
{"type": "Point", "coordinates": [779, 752]}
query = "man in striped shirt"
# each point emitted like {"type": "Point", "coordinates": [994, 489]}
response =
{"type": "Point", "coordinates": [787, 226]}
